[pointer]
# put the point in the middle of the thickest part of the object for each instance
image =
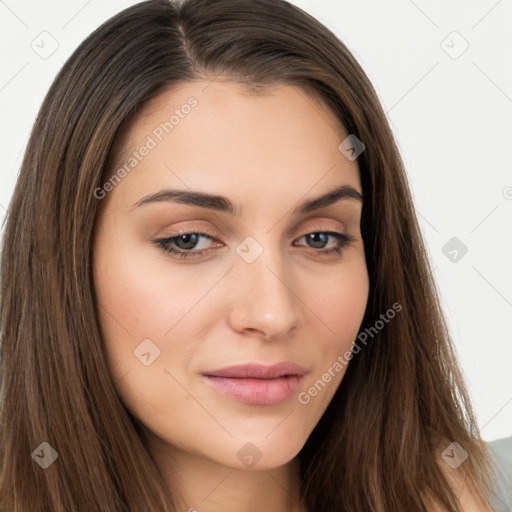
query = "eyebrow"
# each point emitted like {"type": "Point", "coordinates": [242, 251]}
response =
{"type": "Point", "coordinates": [223, 204]}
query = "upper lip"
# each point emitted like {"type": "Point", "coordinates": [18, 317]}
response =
{"type": "Point", "coordinates": [258, 371]}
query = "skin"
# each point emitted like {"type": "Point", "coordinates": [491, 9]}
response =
{"type": "Point", "coordinates": [265, 153]}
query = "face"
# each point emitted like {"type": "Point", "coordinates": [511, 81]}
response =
{"type": "Point", "coordinates": [188, 287]}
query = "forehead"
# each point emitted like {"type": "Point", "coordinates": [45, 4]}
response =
{"type": "Point", "coordinates": [225, 102]}
{"type": "Point", "coordinates": [202, 133]}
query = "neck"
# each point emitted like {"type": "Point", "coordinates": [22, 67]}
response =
{"type": "Point", "coordinates": [202, 485]}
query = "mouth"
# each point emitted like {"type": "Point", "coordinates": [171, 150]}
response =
{"type": "Point", "coordinates": [258, 384]}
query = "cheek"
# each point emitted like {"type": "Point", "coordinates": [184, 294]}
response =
{"type": "Point", "coordinates": [341, 304]}
{"type": "Point", "coordinates": [141, 298]}
{"type": "Point", "coordinates": [139, 293]}
{"type": "Point", "coordinates": [137, 307]}
{"type": "Point", "coordinates": [133, 304]}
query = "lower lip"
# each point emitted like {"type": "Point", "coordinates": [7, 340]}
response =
{"type": "Point", "coordinates": [258, 391]}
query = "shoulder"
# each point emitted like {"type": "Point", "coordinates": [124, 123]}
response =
{"type": "Point", "coordinates": [466, 490]}
{"type": "Point", "coordinates": [501, 455]}
{"type": "Point", "coordinates": [464, 487]}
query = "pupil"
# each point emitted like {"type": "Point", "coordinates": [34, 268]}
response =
{"type": "Point", "coordinates": [186, 239]}
{"type": "Point", "coordinates": [314, 237]}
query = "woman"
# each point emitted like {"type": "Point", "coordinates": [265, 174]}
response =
{"type": "Point", "coordinates": [215, 294]}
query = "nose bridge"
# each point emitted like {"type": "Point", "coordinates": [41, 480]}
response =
{"type": "Point", "coordinates": [265, 298]}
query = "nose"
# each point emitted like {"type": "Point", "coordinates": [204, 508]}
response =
{"type": "Point", "coordinates": [264, 298]}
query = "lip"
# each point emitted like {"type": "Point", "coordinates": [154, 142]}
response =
{"type": "Point", "coordinates": [256, 383]}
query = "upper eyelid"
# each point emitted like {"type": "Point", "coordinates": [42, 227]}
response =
{"type": "Point", "coordinates": [213, 237]}
{"type": "Point", "coordinates": [320, 228]}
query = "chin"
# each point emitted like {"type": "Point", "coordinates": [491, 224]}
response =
{"type": "Point", "coordinates": [262, 456]}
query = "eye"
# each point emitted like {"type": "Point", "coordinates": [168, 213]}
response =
{"type": "Point", "coordinates": [321, 238]}
{"type": "Point", "coordinates": [185, 242]}
{"type": "Point", "coordinates": [181, 245]}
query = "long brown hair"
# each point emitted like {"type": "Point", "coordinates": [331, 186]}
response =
{"type": "Point", "coordinates": [377, 446]}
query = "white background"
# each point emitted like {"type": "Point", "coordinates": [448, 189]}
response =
{"type": "Point", "coordinates": [452, 118]}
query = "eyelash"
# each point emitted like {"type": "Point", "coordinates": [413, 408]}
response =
{"type": "Point", "coordinates": [164, 244]}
